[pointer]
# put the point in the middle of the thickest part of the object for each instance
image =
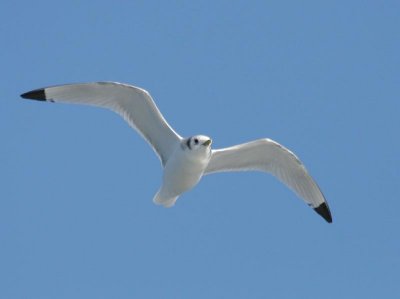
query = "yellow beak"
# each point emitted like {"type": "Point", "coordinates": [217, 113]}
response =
{"type": "Point", "coordinates": [208, 142]}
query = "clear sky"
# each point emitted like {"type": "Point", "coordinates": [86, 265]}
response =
{"type": "Point", "coordinates": [76, 212]}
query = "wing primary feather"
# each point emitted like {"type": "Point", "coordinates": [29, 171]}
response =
{"type": "Point", "coordinates": [324, 212]}
{"type": "Point", "coordinates": [37, 94]}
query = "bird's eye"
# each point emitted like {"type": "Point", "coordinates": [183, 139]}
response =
{"type": "Point", "coordinates": [196, 141]}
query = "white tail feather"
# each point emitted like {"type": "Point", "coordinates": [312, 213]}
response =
{"type": "Point", "coordinates": [167, 202]}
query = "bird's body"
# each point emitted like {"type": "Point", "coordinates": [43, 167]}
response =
{"type": "Point", "coordinates": [186, 160]}
{"type": "Point", "coordinates": [183, 170]}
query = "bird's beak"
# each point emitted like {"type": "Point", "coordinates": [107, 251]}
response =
{"type": "Point", "coordinates": [208, 142]}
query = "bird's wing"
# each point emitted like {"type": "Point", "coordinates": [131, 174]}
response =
{"type": "Point", "coordinates": [269, 156]}
{"type": "Point", "coordinates": [134, 104]}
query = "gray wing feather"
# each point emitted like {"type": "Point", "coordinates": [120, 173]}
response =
{"type": "Point", "coordinates": [134, 104]}
{"type": "Point", "coordinates": [269, 156]}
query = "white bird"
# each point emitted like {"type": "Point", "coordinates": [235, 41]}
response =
{"type": "Point", "coordinates": [186, 160]}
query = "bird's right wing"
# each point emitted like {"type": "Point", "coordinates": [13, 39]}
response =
{"type": "Point", "coordinates": [134, 104]}
{"type": "Point", "coordinates": [269, 156]}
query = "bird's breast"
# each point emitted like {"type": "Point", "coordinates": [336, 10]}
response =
{"type": "Point", "coordinates": [182, 173]}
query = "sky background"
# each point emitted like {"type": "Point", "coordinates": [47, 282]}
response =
{"type": "Point", "coordinates": [76, 212]}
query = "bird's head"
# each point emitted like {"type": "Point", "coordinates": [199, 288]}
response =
{"type": "Point", "coordinates": [198, 143]}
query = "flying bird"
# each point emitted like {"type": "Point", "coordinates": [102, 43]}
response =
{"type": "Point", "coordinates": [187, 160]}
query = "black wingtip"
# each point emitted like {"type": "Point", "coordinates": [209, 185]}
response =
{"type": "Point", "coordinates": [323, 211]}
{"type": "Point", "coordinates": [37, 94]}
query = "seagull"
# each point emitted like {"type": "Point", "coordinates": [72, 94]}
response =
{"type": "Point", "coordinates": [186, 160]}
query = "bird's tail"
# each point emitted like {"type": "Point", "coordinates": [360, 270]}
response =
{"type": "Point", "coordinates": [167, 202]}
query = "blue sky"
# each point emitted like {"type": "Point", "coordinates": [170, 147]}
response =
{"type": "Point", "coordinates": [322, 78]}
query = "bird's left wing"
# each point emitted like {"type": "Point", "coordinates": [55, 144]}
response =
{"type": "Point", "coordinates": [269, 156]}
{"type": "Point", "coordinates": [134, 104]}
